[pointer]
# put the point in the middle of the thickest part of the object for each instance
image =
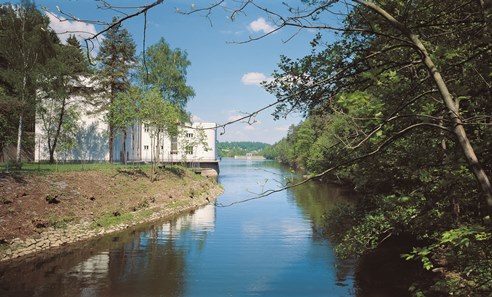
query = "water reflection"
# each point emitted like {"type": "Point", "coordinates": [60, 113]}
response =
{"type": "Point", "coordinates": [148, 262]}
{"type": "Point", "coordinates": [266, 247]}
{"type": "Point", "coordinates": [315, 199]}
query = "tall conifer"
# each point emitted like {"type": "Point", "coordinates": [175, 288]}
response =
{"type": "Point", "coordinates": [116, 58]}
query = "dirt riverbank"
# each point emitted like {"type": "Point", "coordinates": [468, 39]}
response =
{"type": "Point", "coordinates": [41, 212]}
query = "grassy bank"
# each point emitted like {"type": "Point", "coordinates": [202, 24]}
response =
{"type": "Point", "coordinates": [39, 202]}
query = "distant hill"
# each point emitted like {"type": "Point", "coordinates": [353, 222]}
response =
{"type": "Point", "coordinates": [240, 148]}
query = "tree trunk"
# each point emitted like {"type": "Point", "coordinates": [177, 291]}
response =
{"type": "Point", "coordinates": [459, 131]}
{"type": "Point", "coordinates": [152, 157]}
{"type": "Point", "coordinates": [110, 143]}
{"type": "Point", "coordinates": [123, 149]}
{"type": "Point", "coordinates": [19, 140]}
{"type": "Point", "coordinates": [111, 127]}
{"type": "Point", "coordinates": [57, 132]}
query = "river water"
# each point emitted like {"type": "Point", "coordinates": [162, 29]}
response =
{"type": "Point", "coordinates": [274, 246]}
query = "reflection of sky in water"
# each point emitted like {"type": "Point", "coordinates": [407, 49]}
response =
{"type": "Point", "coordinates": [263, 247]}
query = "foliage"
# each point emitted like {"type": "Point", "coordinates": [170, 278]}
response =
{"type": "Point", "coordinates": [25, 46]}
{"type": "Point", "coordinates": [240, 148]}
{"type": "Point", "coordinates": [116, 59]}
{"type": "Point", "coordinates": [164, 69]}
{"type": "Point", "coordinates": [64, 76]}
{"type": "Point", "coordinates": [161, 117]}
{"type": "Point", "coordinates": [375, 119]}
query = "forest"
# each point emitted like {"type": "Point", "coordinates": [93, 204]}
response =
{"type": "Point", "coordinates": [240, 148]}
{"type": "Point", "coordinates": [399, 107]}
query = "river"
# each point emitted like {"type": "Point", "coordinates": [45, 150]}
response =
{"type": "Point", "coordinates": [273, 246]}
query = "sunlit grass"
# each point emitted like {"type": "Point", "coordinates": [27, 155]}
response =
{"type": "Point", "coordinates": [69, 167]}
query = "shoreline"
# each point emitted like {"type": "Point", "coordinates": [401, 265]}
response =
{"type": "Point", "coordinates": [178, 199]}
{"type": "Point", "coordinates": [58, 238]}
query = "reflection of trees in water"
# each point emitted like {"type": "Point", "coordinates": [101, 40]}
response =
{"type": "Point", "coordinates": [315, 199]}
{"type": "Point", "coordinates": [384, 273]}
{"type": "Point", "coordinates": [154, 264]}
{"type": "Point", "coordinates": [381, 273]}
{"type": "Point", "coordinates": [70, 272]}
{"type": "Point", "coordinates": [148, 266]}
{"type": "Point", "coordinates": [134, 266]}
{"type": "Point", "coordinates": [146, 262]}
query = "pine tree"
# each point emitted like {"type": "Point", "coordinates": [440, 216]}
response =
{"type": "Point", "coordinates": [116, 58]}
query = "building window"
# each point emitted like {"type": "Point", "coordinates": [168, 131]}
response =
{"type": "Point", "coordinates": [189, 150]}
{"type": "Point", "coordinates": [174, 145]}
{"type": "Point", "coordinates": [189, 135]}
{"type": "Point", "coordinates": [162, 147]}
{"type": "Point", "coordinates": [146, 147]}
{"type": "Point", "coordinates": [146, 129]}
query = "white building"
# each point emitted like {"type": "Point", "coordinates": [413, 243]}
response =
{"type": "Point", "coordinates": [195, 146]}
{"type": "Point", "coordinates": [91, 139]}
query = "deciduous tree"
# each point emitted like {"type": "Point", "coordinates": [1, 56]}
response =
{"type": "Point", "coordinates": [64, 77]}
{"type": "Point", "coordinates": [25, 44]}
{"type": "Point", "coordinates": [165, 69]}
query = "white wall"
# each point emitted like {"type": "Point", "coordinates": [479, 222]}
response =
{"type": "Point", "coordinates": [188, 137]}
{"type": "Point", "coordinates": [92, 138]}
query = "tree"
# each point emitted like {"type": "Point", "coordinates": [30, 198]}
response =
{"type": "Point", "coordinates": [401, 128]}
{"type": "Point", "coordinates": [160, 117]}
{"type": "Point", "coordinates": [25, 44]}
{"type": "Point", "coordinates": [165, 69]}
{"type": "Point", "coordinates": [124, 113]}
{"type": "Point", "coordinates": [64, 76]}
{"type": "Point", "coordinates": [116, 58]}
{"type": "Point", "coordinates": [376, 48]}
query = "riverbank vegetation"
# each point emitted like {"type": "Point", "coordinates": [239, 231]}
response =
{"type": "Point", "coordinates": [399, 106]}
{"type": "Point", "coordinates": [92, 198]}
{"type": "Point", "coordinates": [240, 148]}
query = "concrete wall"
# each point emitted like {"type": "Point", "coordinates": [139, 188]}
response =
{"type": "Point", "coordinates": [91, 138]}
{"type": "Point", "coordinates": [197, 143]}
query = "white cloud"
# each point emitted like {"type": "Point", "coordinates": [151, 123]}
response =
{"type": "Point", "coordinates": [281, 128]}
{"type": "Point", "coordinates": [262, 25]}
{"type": "Point", "coordinates": [235, 117]}
{"type": "Point", "coordinates": [254, 78]}
{"type": "Point", "coordinates": [63, 28]}
{"type": "Point", "coordinates": [196, 119]}
{"type": "Point", "coordinates": [250, 127]}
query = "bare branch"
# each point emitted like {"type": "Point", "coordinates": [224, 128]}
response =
{"type": "Point", "coordinates": [118, 22]}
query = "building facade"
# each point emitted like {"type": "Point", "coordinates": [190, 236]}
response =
{"type": "Point", "coordinates": [89, 142]}
{"type": "Point", "coordinates": [194, 146]}
{"type": "Point", "coordinates": [194, 143]}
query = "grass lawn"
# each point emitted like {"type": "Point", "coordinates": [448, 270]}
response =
{"type": "Point", "coordinates": [35, 168]}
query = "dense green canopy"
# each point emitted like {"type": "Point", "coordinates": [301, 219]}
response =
{"type": "Point", "coordinates": [390, 107]}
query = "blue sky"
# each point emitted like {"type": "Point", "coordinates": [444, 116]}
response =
{"type": "Point", "coordinates": [224, 74]}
